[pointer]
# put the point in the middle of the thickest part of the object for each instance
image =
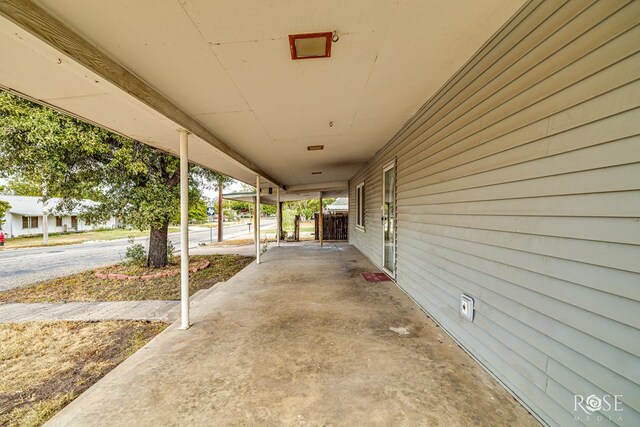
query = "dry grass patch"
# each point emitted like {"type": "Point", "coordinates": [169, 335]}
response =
{"type": "Point", "coordinates": [86, 286]}
{"type": "Point", "coordinates": [44, 366]}
{"type": "Point", "coordinates": [131, 269]}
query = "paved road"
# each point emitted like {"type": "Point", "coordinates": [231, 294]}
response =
{"type": "Point", "coordinates": [20, 267]}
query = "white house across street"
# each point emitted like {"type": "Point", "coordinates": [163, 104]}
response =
{"type": "Point", "coordinates": [25, 217]}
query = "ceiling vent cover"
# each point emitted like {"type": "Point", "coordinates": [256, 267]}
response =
{"type": "Point", "coordinates": [312, 45]}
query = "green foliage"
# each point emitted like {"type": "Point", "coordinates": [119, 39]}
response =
{"type": "Point", "coordinates": [198, 209]}
{"type": "Point", "coordinates": [206, 178]}
{"type": "Point", "coordinates": [4, 207]}
{"type": "Point", "coordinates": [135, 253]}
{"type": "Point", "coordinates": [40, 147]}
{"type": "Point", "coordinates": [268, 209]}
{"type": "Point", "coordinates": [171, 250]}
{"type": "Point", "coordinates": [288, 219]}
{"type": "Point", "coordinates": [197, 206]}
{"type": "Point", "coordinates": [307, 208]}
{"type": "Point", "coordinates": [23, 188]}
{"type": "Point", "coordinates": [240, 206]}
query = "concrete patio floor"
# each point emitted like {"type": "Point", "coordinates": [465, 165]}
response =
{"type": "Point", "coordinates": [300, 340]}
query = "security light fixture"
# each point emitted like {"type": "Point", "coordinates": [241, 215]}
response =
{"type": "Point", "coordinates": [315, 147]}
{"type": "Point", "coordinates": [313, 45]}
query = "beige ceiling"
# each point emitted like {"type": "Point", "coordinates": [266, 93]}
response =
{"type": "Point", "coordinates": [227, 64]}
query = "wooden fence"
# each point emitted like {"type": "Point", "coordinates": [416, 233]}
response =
{"type": "Point", "coordinates": [335, 227]}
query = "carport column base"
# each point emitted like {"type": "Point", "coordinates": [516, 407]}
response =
{"type": "Point", "coordinates": [184, 230]}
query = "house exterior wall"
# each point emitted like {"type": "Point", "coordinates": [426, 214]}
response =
{"type": "Point", "coordinates": [519, 184]}
{"type": "Point", "coordinates": [6, 225]}
{"type": "Point", "coordinates": [13, 225]}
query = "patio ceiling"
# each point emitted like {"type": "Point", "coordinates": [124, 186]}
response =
{"type": "Point", "coordinates": [223, 71]}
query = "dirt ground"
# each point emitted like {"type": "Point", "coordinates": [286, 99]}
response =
{"type": "Point", "coordinates": [43, 366]}
{"type": "Point", "coordinates": [301, 340]}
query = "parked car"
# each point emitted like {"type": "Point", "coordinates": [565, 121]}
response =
{"type": "Point", "coordinates": [1, 238]}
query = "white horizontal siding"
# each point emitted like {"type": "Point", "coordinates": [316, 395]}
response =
{"type": "Point", "coordinates": [519, 184]}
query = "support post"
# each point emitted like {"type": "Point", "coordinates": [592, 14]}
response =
{"type": "Point", "coordinates": [220, 216]}
{"type": "Point", "coordinates": [45, 215]}
{"type": "Point", "coordinates": [257, 221]}
{"type": "Point", "coordinates": [321, 222]}
{"type": "Point", "coordinates": [184, 229]}
{"type": "Point", "coordinates": [45, 226]}
{"type": "Point", "coordinates": [278, 217]}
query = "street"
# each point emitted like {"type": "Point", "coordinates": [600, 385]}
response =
{"type": "Point", "coordinates": [20, 267]}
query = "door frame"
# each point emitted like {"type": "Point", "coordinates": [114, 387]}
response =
{"type": "Point", "coordinates": [385, 168]}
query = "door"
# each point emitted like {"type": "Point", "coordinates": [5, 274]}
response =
{"type": "Point", "coordinates": [388, 219]}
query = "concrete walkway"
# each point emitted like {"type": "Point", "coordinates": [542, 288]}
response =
{"type": "Point", "coordinates": [157, 311]}
{"type": "Point", "coordinates": [300, 340]}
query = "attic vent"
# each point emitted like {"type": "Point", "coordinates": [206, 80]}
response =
{"type": "Point", "coordinates": [313, 45]}
{"type": "Point", "coordinates": [316, 173]}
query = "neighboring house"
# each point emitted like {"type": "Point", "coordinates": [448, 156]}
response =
{"type": "Point", "coordinates": [25, 218]}
{"type": "Point", "coordinates": [340, 205]}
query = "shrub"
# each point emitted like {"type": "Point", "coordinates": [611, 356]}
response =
{"type": "Point", "coordinates": [136, 253]}
{"type": "Point", "coordinates": [170, 251]}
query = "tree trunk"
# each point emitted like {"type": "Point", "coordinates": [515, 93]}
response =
{"type": "Point", "coordinates": [158, 246]}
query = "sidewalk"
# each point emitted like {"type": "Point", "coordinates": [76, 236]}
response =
{"type": "Point", "coordinates": [153, 311]}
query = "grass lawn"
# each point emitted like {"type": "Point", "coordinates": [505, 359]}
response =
{"type": "Point", "coordinates": [86, 286]}
{"type": "Point", "coordinates": [71, 238]}
{"type": "Point", "coordinates": [44, 366]}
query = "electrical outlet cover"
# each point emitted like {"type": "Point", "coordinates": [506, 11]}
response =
{"type": "Point", "coordinates": [466, 307]}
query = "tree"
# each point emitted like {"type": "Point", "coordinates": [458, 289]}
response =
{"type": "Point", "coordinates": [4, 207]}
{"type": "Point", "coordinates": [268, 209]}
{"type": "Point", "coordinates": [197, 206]}
{"type": "Point", "coordinates": [219, 182]}
{"type": "Point", "coordinates": [71, 159]}
{"type": "Point", "coordinates": [22, 188]}
{"type": "Point", "coordinates": [239, 206]}
{"type": "Point", "coordinates": [307, 208]}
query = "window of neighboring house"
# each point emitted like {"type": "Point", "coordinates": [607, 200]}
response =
{"type": "Point", "coordinates": [30, 222]}
{"type": "Point", "coordinates": [58, 221]}
{"type": "Point", "coordinates": [360, 206]}
{"type": "Point", "coordinates": [74, 222]}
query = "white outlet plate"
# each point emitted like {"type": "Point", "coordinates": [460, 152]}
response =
{"type": "Point", "coordinates": [466, 307]}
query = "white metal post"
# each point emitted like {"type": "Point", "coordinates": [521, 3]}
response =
{"type": "Point", "coordinates": [278, 230]}
{"type": "Point", "coordinates": [321, 222]}
{"type": "Point", "coordinates": [45, 224]}
{"type": "Point", "coordinates": [257, 224]}
{"type": "Point", "coordinates": [45, 215]}
{"type": "Point", "coordinates": [184, 229]}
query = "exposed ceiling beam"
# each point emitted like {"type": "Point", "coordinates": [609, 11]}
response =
{"type": "Point", "coordinates": [53, 32]}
